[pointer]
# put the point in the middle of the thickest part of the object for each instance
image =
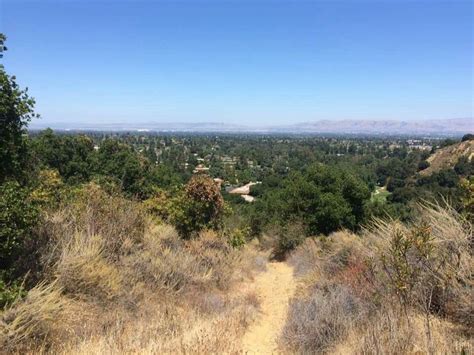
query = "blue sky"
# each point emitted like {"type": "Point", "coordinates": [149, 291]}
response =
{"type": "Point", "coordinates": [250, 62]}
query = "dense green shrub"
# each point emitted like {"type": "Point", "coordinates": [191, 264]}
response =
{"type": "Point", "coordinates": [464, 166]}
{"type": "Point", "coordinates": [49, 189]}
{"type": "Point", "coordinates": [18, 216]}
{"type": "Point", "coordinates": [10, 292]}
{"type": "Point", "coordinates": [289, 237]}
{"type": "Point", "coordinates": [422, 165]}
{"type": "Point", "coordinates": [72, 156]}
{"type": "Point", "coordinates": [238, 237]}
{"type": "Point", "coordinates": [467, 137]}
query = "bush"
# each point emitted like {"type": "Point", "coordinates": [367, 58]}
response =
{"type": "Point", "coordinates": [83, 270]}
{"type": "Point", "coordinates": [238, 237]}
{"type": "Point", "coordinates": [464, 166]}
{"type": "Point", "coordinates": [49, 189]}
{"type": "Point", "coordinates": [9, 293]}
{"type": "Point", "coordinates": [200, 206]}
{"type": "Point", "coordinates": [320, 320]}
{"type": "Point", "coordinates": [92, 211]}
{"type": "Point", "coordinates": [158, 205]}
{"type": "Point", "coordinates": [289, 237]}
{"type": "Point", "coordinates": [426, 266]}
{"type": "Point", "coordinates": [422, 165]}
{"type": "Point", "coordinates": [467, 187]}
{"type": "Point", "coordinates": [396, 288]}
{"type": "Point", "coordinates": [18, 216]}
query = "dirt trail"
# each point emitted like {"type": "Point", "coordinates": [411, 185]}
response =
{"type": "Point", "coordinates": [274, 289]}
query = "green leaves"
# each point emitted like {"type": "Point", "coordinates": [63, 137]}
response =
{"type": "Point", "coordinates": [18, 216]}
{"type": "Point", "coordinates": [16, 110]}
{"type": "Point", "coordinates": [324, 198]}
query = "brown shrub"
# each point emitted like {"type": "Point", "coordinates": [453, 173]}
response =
{"type": "Point", "coordinates": [427, 265]}
{"type": "Point", "coordinates": [321, 319]}
{"type": "Point", "coordinates": [214, 254]}
{"type": "Point", "coordinates": [93, 212]}
{"type": "Point", "coordinates": [163, 263]}
{"type": "Point", "coordinates": [199, 207]}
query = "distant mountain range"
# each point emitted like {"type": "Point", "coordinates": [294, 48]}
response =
{"type": "Point", "coordinates": [447, 126]}
{"type": "Point", "coordinates": [444, 127]}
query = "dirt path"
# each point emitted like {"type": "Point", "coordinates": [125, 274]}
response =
{"type": "Point", "coordinates": [274, 289]}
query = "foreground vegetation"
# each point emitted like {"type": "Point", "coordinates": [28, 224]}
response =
{"type": "Point", "coordinates": [113, 280]}
{"type": "Point", "coordinates": [392, 289]}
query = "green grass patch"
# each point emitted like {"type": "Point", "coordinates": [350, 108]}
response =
{"type": "Point", "coordinates": [380, 194]}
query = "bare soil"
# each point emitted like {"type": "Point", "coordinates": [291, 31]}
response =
{"type": "Point", "coordinates": [274, 288]}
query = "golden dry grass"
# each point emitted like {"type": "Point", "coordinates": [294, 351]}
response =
{"type": "Point", "coordinates": [393, 289]}
{"type": "Point", "coordinates": [106, 290]}
{"type": "Point", "coordinates": [33, 317]}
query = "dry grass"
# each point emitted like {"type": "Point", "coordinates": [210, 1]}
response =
{"type": "Point", "coordinates": [170, 328]}
{"type": "Point", "coordinates": [117, 282]}
{"type": "Point", "coordinates": [31, 318]}
{"type": "Point", "coordinates": [430, 264]}
{"type": "Point", "coordinates": [394, 289]}
{"type": "Point", "coordinates": [390, 333]}
{"type": "Point", "coordinates": [91, 211]}
{"type": "Point", "coordinates": [82, 269]}
{"type": "Point", "coordinates": [322, 318]}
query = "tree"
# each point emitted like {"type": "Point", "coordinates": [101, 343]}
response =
{"type": "Point", "coordinates": [331, 213]}
{"type": "Point", "coordinates": [16, 110]}
{"type": "Point", "coordinates": [422, 165]}
{"type": "Point", "coordinates": [324, 198]}
{"type": "Point", "coordinates": [464, 166]}
{"type": "Point", "coordinates": [118, 160]}
{"type": "Point", "coordinates": [72, 156]}
{"type": "Point", "coordinates": [467, 137]}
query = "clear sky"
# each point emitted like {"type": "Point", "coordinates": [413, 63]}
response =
{"type": "Point", "coordinates": [243, 61]}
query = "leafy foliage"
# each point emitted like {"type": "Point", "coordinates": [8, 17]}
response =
{"type": "Point", "coordinates": [200, 206]}
{"type": "Point", "coordinates": [16, 110]}
{"type": "Point", "coordinates": [71, 156]}
{"type": "Point", "coordinates": [18, 216]}
{"type": "Point", "coordinates": [324, 198]}
{"type": "Point", "coordinates": [49, 188]}
{"type": "Point", "coordinates": [10, 292]}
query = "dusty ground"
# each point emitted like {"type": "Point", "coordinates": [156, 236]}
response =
{"type": "Point", "coordinates": [274, 289]}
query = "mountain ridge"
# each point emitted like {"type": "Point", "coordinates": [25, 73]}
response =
{"type": "Point", "coordinates": [454, 126]}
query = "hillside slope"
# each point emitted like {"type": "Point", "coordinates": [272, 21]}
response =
{"type": "Point", "coordinates": [447, 157]}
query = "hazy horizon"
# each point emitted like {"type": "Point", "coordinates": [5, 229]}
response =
{"type": "Point", "coordinates": [246, 63]}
